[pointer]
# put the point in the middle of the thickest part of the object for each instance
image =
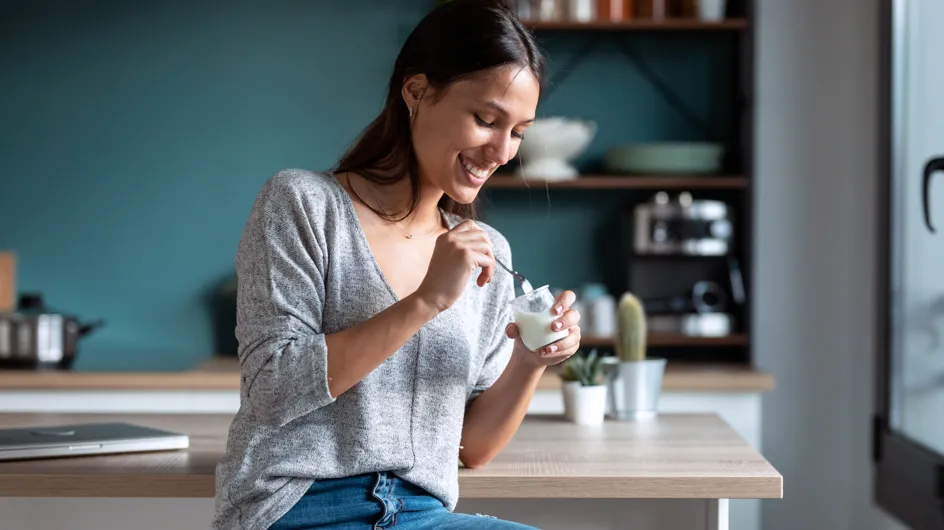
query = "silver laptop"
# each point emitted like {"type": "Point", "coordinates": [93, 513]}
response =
{"type": "Point", "coordinates": [86, 439]}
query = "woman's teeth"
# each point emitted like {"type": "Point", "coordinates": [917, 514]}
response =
{"type": "Point", "coordinates": [480, 173]}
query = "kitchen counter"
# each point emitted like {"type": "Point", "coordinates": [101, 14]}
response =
{"type": "Point", "coordinates": [733, 392]}
{"type": "Point", "coordinates": [223, 374]}
{"type": "Point", "coordinates": [679, 471]}
{"type": "Point", "coordinates": [675, 456]}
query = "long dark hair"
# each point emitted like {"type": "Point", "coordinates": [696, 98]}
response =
{"type": "Point", "coordinates": [454, 41]}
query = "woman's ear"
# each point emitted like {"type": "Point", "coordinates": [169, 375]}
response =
{"type": "Point", "coordinates": [413, 89]}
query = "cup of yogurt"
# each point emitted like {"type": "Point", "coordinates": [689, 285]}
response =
{"type": "Point", "coordinates": [533, 313]}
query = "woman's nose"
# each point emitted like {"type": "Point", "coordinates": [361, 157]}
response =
{"type": "Point", "coordinates": [500, 149]}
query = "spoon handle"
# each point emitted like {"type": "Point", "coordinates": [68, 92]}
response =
{"type": "Point", "coordinates": [519, 277]}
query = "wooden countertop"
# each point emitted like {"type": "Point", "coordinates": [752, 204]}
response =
{"type": "Point", "coordinates": [673, 456]}
{"type": "Point", "coordinates": [223, 374]}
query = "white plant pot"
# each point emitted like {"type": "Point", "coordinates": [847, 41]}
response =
{"type": "Point", "coordinates": [567, 389]}
{"type": "Point", "coordinates": [711, 10]}
{"type": "Point", "coordinates": [589, 405]}
{"type": "Point", "coordinates": [635, 387]}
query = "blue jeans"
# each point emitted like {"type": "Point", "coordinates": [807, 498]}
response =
{"type": "Point", "coordinates": [376, 501]}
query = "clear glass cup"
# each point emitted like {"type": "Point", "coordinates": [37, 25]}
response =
{"type": "Point", "coordinates": [533, 313]}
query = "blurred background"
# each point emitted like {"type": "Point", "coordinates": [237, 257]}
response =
{"type": "Point", "coordinates": [138, 135]}
{"type": "Point", "coordinates": [726, 170]}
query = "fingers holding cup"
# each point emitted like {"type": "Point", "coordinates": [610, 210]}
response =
{"type": "Point", "coordinates": [563, 302]}
{"type": "Point", "coordinates": [512, 331]}
{"type": "Point", "coordinates": [546, 324]}
{"type": "Point", "coordinates": [569, 319]}
{"type": "Point", "coordinates": [562, 349]}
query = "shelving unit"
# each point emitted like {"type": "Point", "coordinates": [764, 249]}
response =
{"type": "Point", "coordinates": [666, 340]}
{"type": "Point", "coordinates": [683, 24]}
{"type": "Point", "coordinates": [628, 182]}
{"type": "Point", "coordinates": [600, 205]}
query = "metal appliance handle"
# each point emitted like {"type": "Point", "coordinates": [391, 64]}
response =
{"type": "Point", "coordinates": [934, 165]}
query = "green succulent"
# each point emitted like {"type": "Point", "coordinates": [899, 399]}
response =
{"type": "Point", "coordinates": [586, 369]}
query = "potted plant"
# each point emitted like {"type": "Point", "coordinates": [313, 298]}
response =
{"type": "Point", "coordinates": [570, 381]}
{"type": "Point", "coordinates": [636, 382]}
{"type": "Point", "coordinates": [584, 389]}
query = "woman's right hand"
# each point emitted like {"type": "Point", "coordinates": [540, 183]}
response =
{"type": "Point", "coordinates": [457, 254]}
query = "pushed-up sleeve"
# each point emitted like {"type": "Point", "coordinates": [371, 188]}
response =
{"type": "Point", "coordinates": [280, 266]}
{"type": "Point", "coordinates": [497, 345]}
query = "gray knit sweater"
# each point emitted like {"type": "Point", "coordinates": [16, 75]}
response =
{"type": "Point", "coordinates": [305, 270]}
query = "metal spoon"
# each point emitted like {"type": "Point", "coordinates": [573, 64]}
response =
{"type": "Point", "coordinates": [525, 284]}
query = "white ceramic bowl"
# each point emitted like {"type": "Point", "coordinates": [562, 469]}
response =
{"type": "Point", "coordinates": [550, 143]}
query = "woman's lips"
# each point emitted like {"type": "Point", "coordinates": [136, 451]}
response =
{"type": "Point", "coordinates": [476, 174]}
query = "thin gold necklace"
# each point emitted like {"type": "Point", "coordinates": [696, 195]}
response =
{"type": "Point", "coordinates": [397, 223]}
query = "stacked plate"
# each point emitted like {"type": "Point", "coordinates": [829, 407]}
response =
{"type": "Point", "coordinates": [665, 158]}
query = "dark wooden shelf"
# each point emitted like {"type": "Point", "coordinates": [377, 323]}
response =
{"type": "Point", "coordinates": [588, 182]}
{"type": "Point", "coordinates": [640, 24]}
{"type": "Point", "coordinates": [736, 339]}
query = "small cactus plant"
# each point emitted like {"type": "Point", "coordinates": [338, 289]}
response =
{"type": "Point", "coordinates": [632, 329]}
{"type": "Point", "coordinates": [587, 369]}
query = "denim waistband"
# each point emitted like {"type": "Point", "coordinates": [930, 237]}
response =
{"type": "Point", "coordinates": [384, 491]}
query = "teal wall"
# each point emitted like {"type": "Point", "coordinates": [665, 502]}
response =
{"type": "Point", "coordinates": [135, 135]}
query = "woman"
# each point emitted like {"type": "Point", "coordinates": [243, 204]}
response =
{"type": "Point", "coordinates": [373, 326]}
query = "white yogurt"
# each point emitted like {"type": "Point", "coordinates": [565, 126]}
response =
{"type": "Point", "coordinates": [526, 287]}
{"type": "Point", "coordinates": [535, 329]}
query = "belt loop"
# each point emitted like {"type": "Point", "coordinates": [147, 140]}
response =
{"type": "Point", "coordinates": [386, 483]}
{"type": "Point", "coordinates": [378, 484]}
{"type": "Point", "coordinates": [383, 491]}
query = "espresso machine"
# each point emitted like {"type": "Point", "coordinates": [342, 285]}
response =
{"type": "Point", "coordinates": [682, 265]}
{"type": "Point", "coordinates": [680, 225]}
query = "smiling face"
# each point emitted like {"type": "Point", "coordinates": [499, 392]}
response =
{"type": "Point", "coordinates": [462, 135]}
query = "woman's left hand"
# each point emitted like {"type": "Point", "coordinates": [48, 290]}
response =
{"type": "Point", "coordinates": [561, 350]}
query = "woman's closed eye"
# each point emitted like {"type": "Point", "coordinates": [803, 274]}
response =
{"type": "Point", "coordinates": [489, 125]}
{"type": "Point", "coordinates": [483, 123]}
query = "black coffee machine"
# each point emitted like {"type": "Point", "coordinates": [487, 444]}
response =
{"type": "Point", "coordinates": [680, 225]}
{"type": "Point", "coordinates": [682, 263]}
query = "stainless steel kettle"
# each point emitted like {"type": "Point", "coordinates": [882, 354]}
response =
{"type": "Point", "coordinates": [36, 337]}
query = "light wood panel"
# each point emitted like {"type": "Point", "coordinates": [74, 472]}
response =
{"type": "Point", "coordinates": [694, 377]}
{"type": "Point", "coordinates": [675, 456]}
{"type": "Point", "coordinates": [671, 339]}
{"type": "Point", "coordinates": [222, 373]}
{"type": "Point", "coordinates": [7, 281]}
{"type": "Point", "coordinates": [641, 24]}
{"type": "Point", "coordinates": [55, 381]}
{"type": "Point", "coordinates": [591, 182]}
